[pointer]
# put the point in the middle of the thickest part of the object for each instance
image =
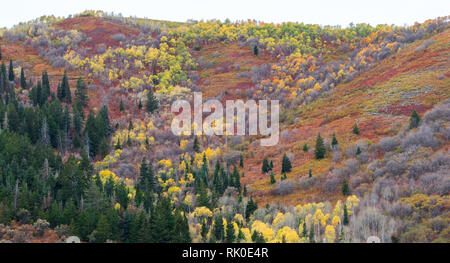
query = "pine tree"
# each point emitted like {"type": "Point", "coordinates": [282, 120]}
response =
{"type": "Point", "coordinates": [59, 92]}
{"type": "Point", "coordinates": [121, 108]}
{"type": "Point", "coordinates": [230, 233]}
{"type": "Point", "coordinates": [255, 50]}
{"type": "Point", "coordinates": [251, 207]}
{"type": "Point", "coordinates": [103, 229]}
{"type": "Point", "coordinates": [271, 165]}
{"type": "Point", "coordinates": [81, 94]}
{"type": "Point", "coordinates": [265, 166]}
{"type": "Point", "coordinates": [152, 102]}
{"type": "Point", "coordinates": [45, 85]}
{"type": "Point", "coordinates": [258, 237]}
{"type": "Point", "coordinates": [236, 182]}
{"type": "Point", "coordinates": [63, 91]}
{"type": "Point", "coordinates": [203, 199]}
{"type": "Point", "coordinates": [91, 132]}
{"type": "Point", "coordinates": [310, 173]}
{"type": "Point", "coordinates": [196, 146]}
{"type": "Point", "coordinates": [11, 71]}
{"type": "Point", "coordinates": [181, 229]}
{"type": "Point", "coordinates": [218, 229]}
{"type": "Point", "coordinates": [23, 80]}
{"type": "Point", "coordinates": [334, 141]}
{"type": "Point", "coordinates": [355, 129]}
{"type": "Point", "coordinates": [204, 230]}
{"type": "Point", "coordinates": [320, 148]}
{"type": "Point", "coordinates": [104, 124]}
{"type": "Point", "coordinates": [0, 53]}
{"type": "Point", "coordinates": [286, 165]}
{"type": "Point", "coordinates": [54, 215]}
{"type": "Point", "coordinates": [345, 220]}
{"type": "Point", "coordinates": [345, 187]}
{"type": "Point", "coordinates": [104, 148]}
{"type": "Point", "coordinates": [305, 147]}
{"type": "Point", "coordinates": [311, 234]}
{"type": "Point", "coordinates": [414, 120]}
{"type": "Point", "coordinates": [163, 222]}
{"type": "Point", "coordinates": [241, 161]}
{"type": "Point", "coordinates": [272, 178]}
{"type": "Point", "coordinates": [140, 104]}
{"type": "Point", "coordinates": [304, 233]}
{"type": "Point", "coordinates": [358, 151]}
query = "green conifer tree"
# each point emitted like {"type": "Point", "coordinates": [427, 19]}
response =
{"type": "Point", "coordinates": [355, 129]}
{"type": "Point", "coordinates": [320, 148]}
{"type": "Point", "coordinates": [414, 120]}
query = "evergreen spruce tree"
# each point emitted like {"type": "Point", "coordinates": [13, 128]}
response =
{"type": "Point", "coordinates": [218, 229]}
{"type": "Point", "coordinates": [23, 80]}
{"type": "Point", "coordinates": [320, 148]}
{"type": "Point", "coordinates": [305, 147]}
{"type": "Point", "coordinates": [203, 199]}
{"type": "Point", "coordinates": [414, 120]}
{"type": "Point", "coordinates": [334, 141]}
{"type": "Point", "coordinates": [163, 222]}
{"type": "Point", "coordinates": [70, 212]}
{"type": "Point", "coordinates": [355, 129]}
{"type": "Point", "coordinates": [64, 93]}
{"type": "Point", "coordinates": [311, 234]}
{"type": "Point", "coordinates": [241, 161]}
{"type": "Point", "coordinates": [286, 165]}
{"type": "Point", "coordinates": [204, 231]}
{"type": "Point", "coordinates": [358, 151]}
{"type": "Point", "coordinates": [258, 237]}
{"type": "Point", "coordinates": [345, 187]}
{"type": "Point", "coordinates": [196, 146]}
{"type": "Point", "coordinates": [104, 147]}
{"type": "Point", "coordinates": [230, 233]}
{"type": "Point", "coordinates": [255, 50]}
{"type": "Point", "coordinates": [236, 181]}
{"type": "Point", "coordinates": [45, 85]}
{"type": "Point", "coordinates": [81, 96]}
{"type": "Point", "coordinates": [304, 233]}
{"type": "Point", "coordinates": [181, 229]}
{"type": "Point", "coordinates": [60, 92]}
{"type": "Point", "coordinates": [251, 207]}
{"type": "Point", "coordinates": [11, 71]}
{"type": "Point", "coordinates": [103, 229]}
{"type": "Point", "coordinates": [130, 125]}
{"type": "Point", "coordinates": [272, 178]}
{"type": "Point", "coordinates": [0, 53]}
{"type": "Point", "coordinates": [265, 166]}
{"type": "Point", "coordinates": [104, 125]}
{"type": "Point", "coordinates": [310, 173]}
{"type": "Point", "coordinates": [152, 102]}
{"type": "Point", "coordinates": [121, 108]}
{"type": "Point", "coordinates": [345, 220]}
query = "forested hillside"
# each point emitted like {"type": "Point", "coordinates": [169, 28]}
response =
{"type": "Point", "coordinates": [86, 146]}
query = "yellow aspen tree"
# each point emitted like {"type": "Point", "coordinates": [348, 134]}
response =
{"type": "Point", "coordinates": [330, 234]}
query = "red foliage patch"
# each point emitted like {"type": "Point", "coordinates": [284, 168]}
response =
{"type": "Point", "coordinates": [98, 30]}
{"type": "Point", "coordinates": [405, 109]}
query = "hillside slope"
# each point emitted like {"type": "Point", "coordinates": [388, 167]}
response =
{"type": "Point", "coordinates": [97, 150]}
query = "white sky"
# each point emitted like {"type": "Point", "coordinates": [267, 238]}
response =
{"type": "Point", "coordinates": [324, 12]}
